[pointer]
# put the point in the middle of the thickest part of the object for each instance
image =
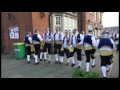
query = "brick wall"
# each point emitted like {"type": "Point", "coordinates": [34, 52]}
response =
{"type": "Point", "coordinates": [22, 20]}
{"type": "Point", "coordinates": [85, 17]}
{"type": "Point", "coordinates": [38, 22]}
{"type": "Point", "coordinates": [89, 16]}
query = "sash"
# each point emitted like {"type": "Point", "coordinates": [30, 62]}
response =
{"type": "Point", "coordinates": [88, 48]}
{"type": "Point", "coordinates": [42, 45]}
{"type": "Point", "coordinates": [27, 44]}
{"type": "Point", "coordinates": [105, 53]}
{"type": "Point", "coordinates": [36, 42]}
{"type": "Point", "coordinates": [32, 48]}
{"type": "Point", "coordinates": [57, 42]}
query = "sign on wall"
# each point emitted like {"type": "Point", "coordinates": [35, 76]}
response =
{"type": "Point", "coordinates": [14, 32]}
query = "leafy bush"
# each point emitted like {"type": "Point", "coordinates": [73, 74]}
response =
{"type": "Point", "coordinates": [82, 74]}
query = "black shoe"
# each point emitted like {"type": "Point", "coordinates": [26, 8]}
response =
{"type": "Point", "coordinates": [79, 67]}
{"type": "Point", "coordinates": [45, 60]}
{"type": "Point", "coordinates": [104, 77]}
{"type": "Point", "coordinates": [28, 62]}
{"type": "Point", "coordinates": [48, 62]}
{"type": "Point", "coordinates": [87, 72]}
{"type": "Point", "coordinates": [37, 63]}
{"type": "Point", "coordinates": [72, 65]}
{"type": "Point", "coordinates": [56, 62]}
{"type": "Point", "coordinates": [93, 66]}
{"type": "Point", "coordinates": [33, 58]}
{"type": "Point", "coordinates": [83, 54]}
{"type": "Point", "coordinates": [40, 59]}
{"type": "Point", "coordinates": [61, 63]}
{"type": "Point", "coordinates": [67, 64]}
{"type": "Point", "coordinates": [108, 70]}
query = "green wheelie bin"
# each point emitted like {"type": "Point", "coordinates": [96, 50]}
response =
{"type": "Point", "coordinates": [19, 49]}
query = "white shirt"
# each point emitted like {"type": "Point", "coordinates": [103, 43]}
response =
{"type": "Point", "coordinates": [117, 35]}
{"type": "Point", "coordinates": [57, 36]}
{"type": "Point", "coordinates": [29, 38]}
{"type": "Point", "coordinates": [93, 42]}
{"type": "Point", "coordinates": [39, 37]}
{"type": "Point", "coordinates": [105, 47]}
{"type": "Point", "coordinates": [47, 37]}
{"type": "Point", "coordinates": [73, 40]}
{"type": "Point", "coordinates": [81, 39]}
{"type": "Point", "coordinates": [65, 42]}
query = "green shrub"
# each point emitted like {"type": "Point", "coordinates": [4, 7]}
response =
{"type": "Point", "coordinates": [82, 74]}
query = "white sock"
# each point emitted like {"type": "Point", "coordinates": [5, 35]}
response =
{"type": "Point", "coordinates": [45, 55]}
{"type": "Point", "coordinates": [28, 57]}
{"type": "Point", "coordinates": [61, 59]}
{"type": "Point", "coordinates": [108, 67]}
{"type": "Point", "coordinates": [87, 67]}
{"type": "Point", "coordinates": [73, 61]}
{"type": "Point", "coordinates": [79, 63]}
{"type": "Point", "coordinates": [33, 55]}
{"type": "Point", "coordinates": [56, 57]}
{"type": "Point", "coordinates": [103, 68]}
{"type": "Point", "coordinates": [41, 53]}
{"type": "Point", "coordinates": [68, 60]}
{"type": "Point", "coordinates": [93, 62]}
{"type": "Point", "coordinates": [36, 58]}
{"type": "Point", "coordinates": [49, 57]}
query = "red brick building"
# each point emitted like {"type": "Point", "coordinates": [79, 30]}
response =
{"type": "Point", "coordinates": [24, 21]}
{"type": "Point", "coordinates": [90, 19]}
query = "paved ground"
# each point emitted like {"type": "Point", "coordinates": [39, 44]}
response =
{"type": "Point", "coordinates": [13, 68]}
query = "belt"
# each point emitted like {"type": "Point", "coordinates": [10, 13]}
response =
{"type": "Point", "coordinates": [42, 45]}
{"type": "Point", "coordinates": [32, 48]}
{"type": "Point", "coordinates": [71, 48]}
{"type": "Point", "coordinates": [27, 44]}
{"type": "Point", "coordinates": [88, 48]}
{"type": "Point", "coordinates": [79, 47]}
{"type": "Point", "coordinates": [36, 42]}
{"type": "Point", "coordinates": [62, 49]}
{"type": "Point", "coordinates": [105, 53]}
{"type": "Point", "coordinates": [48, 41]}
{"type": "Point", "coordinates": [57, 42]}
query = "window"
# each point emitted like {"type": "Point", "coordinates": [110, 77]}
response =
{"type": "Point", "coordinates": [58, 20]}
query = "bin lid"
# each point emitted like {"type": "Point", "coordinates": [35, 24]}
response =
{"type": "Point", "coordinates": [18, 43]}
